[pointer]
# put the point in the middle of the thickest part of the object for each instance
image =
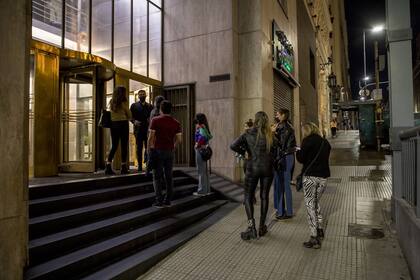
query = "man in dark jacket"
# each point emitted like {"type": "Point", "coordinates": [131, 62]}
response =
{"type": "Point", "coordinates": [141, 117]}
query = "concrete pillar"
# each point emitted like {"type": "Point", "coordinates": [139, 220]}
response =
{"type": "Point", "coordinates": [15, 28]}
{"type": "Point", "coordinates": [399, 37]}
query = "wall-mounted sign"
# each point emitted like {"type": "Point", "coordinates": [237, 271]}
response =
{"type": "Point", "coordinates": [283, 53]}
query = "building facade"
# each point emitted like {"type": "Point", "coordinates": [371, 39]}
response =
{"type": "Point", "coordinates": [240, 57]}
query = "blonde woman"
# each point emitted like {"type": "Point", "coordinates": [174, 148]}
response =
{"type": "Point", "coordinates": [314, 155]}
{"type": "Point", "coordinates": [258, 143]}
{"type": "Point", "coordinates": [120, 115]}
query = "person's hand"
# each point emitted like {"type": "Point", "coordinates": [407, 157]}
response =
{"type": "Point", "coordinates": [137, 123]}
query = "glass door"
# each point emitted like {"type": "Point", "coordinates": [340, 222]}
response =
{"type": "Point", "coordinates": [78, 122]}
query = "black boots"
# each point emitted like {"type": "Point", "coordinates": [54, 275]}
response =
{"type": "Point", "coordinates": [321, 234]}
{"type": "Point", "coordinates": [251, 231]}
{"type": "Point", "coordinates": [108, 170]}
{"type": "Point", "coordinates": [262, 230]}
{"type": "Point", "coordinates": [124, 169]}
{"type": "Point", "coordinates": [313, 242]}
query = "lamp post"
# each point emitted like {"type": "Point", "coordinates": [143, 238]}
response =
{"type": "Point", "coordinates": [376, 29]}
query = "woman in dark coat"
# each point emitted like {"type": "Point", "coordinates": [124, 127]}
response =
{"type": "Point", "coordinates": [258, 143]}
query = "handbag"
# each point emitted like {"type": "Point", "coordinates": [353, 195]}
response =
{"type": "Point", "coordinates": [105, 119]}
{"type": "Point", "coordinates": [299, 178]}
{"type": "Point", "coordinates": [205, 152]}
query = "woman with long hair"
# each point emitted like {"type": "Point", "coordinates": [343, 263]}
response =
{"type": "Point", "coordinates": [314, 155]}
{"type": "Point", "coordinates": [259, 144]}
{"type": "Point", "coordinates": [285, 134]}
{"type": "Point", "coordinates": [120, 116]}
{"type": "Point", "coordinates": [202, 138]}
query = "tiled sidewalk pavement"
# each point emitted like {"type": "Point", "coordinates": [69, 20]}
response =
{"type": "Point", "coordinates": [355, 195]}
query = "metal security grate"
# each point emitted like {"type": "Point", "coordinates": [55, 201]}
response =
{"type": "Point", "coordinates": [283, 94]}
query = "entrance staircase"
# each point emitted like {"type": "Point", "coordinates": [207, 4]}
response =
{"type": "Point", "coordinates": [106, 228]}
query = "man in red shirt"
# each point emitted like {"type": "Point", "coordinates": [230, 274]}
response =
{"type": "Point", "coordinates": [165, 134]}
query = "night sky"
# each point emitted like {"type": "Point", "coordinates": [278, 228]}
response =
{"type": "Point", "coordinates": [364, 14]}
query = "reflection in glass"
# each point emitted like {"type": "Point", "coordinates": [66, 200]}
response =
{"type": "Point", "coordinates": [102, 28]}
{"type": "Point", "coordinates": [140, 37]}
{"type": "Point", "coordinates": [155, 39]}
{"type": "Point", "coordinates": [122, 33]}
{"type": "Point", "coordinates": [47, 21]}
{"type": "Point", "coordinates": [78, 122]}
{"type": "Point", "coordinates": [77, 25]}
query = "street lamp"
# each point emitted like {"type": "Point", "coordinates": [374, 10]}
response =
{"type": "Point", "coordinates": [366, 78]}
{"type": "Point", "coordinates": [375, 29]}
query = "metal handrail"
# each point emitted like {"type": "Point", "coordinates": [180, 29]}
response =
{"type": "Point", "coordinates": [409, 133]}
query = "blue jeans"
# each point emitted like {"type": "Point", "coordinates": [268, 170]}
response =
{"type": "Point", "coordinates": [282, 188]}
{"type": "Point", "coordinates": [203, 174]}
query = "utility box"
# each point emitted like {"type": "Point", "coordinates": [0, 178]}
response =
{"type": "Point", "coordinates": [367, 126]}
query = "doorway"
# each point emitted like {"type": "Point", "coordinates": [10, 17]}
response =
{"type": "Point", "coordinates": [78, 129]}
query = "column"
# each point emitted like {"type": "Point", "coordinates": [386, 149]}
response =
{"type": "Point", "coordinates": [399, 37]}
{"type": "Point", "coordinates": [15, 28]}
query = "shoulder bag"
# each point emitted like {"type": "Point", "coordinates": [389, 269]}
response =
{"type": "Point", "coordinates": [105, 119]}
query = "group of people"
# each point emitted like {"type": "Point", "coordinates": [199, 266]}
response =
{"type": "Point", "coordinates": [269, 153]}
{"type": "Point", "coordinates": [158, 134]}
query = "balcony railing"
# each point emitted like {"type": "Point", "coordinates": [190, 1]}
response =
{"type": "Point", "coordinates": [410, 160]}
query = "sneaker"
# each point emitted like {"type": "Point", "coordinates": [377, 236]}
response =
{"type": "Point", "coordinates": [321, 233]}
{"type": "Point", "coordinates": [198, 194]}
{"type": "Point", "coordinates": [158, 204]}
{"type": "Point", "coordinates": [313, 242]}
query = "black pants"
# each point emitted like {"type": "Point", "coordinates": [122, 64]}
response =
{"type": "Point", "coordinates": [162, 173]}
{"type": "Point", "coordinates": [333, 131]}
{"type": "Point", "coordinates": [251, 181]}
{"type": "Point", "coordinates": [141, 142]}
{"type": "Point", "coordinates": [119, 131]}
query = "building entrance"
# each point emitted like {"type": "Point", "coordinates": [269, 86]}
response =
{"type": "Point", "coordinates": [77, 129]}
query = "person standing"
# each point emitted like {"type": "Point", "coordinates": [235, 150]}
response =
{"type": "Point", "coordinates": [140, 111]}
{"type": "Point", "coordinates": [150, 152]}
{"type": "Point", "coordinates": [314, 155]}
{"type": "Point", "coordinates": [285, 134]}
{"type": "Point", "coordinates": [120, 115]}
{"type": "Point", "coordinates": [202, 138]}
{"type": "Point", "coordinates": [156, 110]}
{"type": "Point", "coordinates": [164, 136]}
{"type": "Point", "coordinates": [259, 144]}
{"type": "Point", "coordinates": [333, 125]}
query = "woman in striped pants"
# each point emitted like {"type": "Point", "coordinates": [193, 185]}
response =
{"type": "Point", "coordinates": [314, 154]}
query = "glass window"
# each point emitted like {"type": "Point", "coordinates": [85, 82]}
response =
{"type": "Point", "coordinates": [47, 21]}
{"type": "Point", "coordinates": [155, 40]}
{"type": "Point", "coordinates": [140, 37]}
{"type": "Point", "coordinates": [102, 28]}
{"type": "Point", "coordinates": [77, 25]}
{"type": "Point", "coordinates": [122, 25]}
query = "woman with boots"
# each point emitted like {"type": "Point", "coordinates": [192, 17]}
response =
{"type": "Point", "coordinates": [314, 155]}
{"type": "Point", "coordinates": [259, 145]}
{"type": "Point", "coordinates": [120, 116]}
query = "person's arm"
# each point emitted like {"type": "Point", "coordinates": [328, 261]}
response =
{"type": "Point", "coordinates": [239, 145]}
{"type": "Point", "coordinates": [128, 113]}
{"type": "Point", "coordinates": [151, 139]}
{"type": "Point", "coordinates": [302, 153]}
{"type": "Point", "coordinates": [132, 111]}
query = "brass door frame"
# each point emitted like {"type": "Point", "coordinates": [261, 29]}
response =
{"type": "Point", "coordinates": [77, 166]}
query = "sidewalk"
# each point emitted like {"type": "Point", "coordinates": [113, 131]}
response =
{"type": "Point", "coordinates": [356, 208]}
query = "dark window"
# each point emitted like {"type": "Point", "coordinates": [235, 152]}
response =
{"type": "Point", "coordinates": [312, 67]}
{"type": "Point", "coordinates": [283, 4]}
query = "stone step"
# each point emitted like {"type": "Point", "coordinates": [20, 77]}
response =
{"type": "Point", "coordinates": [54, 245]}
{"type": "Point", "coordinates": [60, 221]}
{"type": "Point", "coordinates": [86, 260]}
{"type": "Point", "coordinates": [52, 204]}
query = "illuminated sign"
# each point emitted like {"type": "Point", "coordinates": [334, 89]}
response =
{"type": "Point", "coordinates": [283, 53]}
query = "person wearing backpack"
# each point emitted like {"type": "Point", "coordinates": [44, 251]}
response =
{"type": "Point", "coordinates": [202, 138]}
